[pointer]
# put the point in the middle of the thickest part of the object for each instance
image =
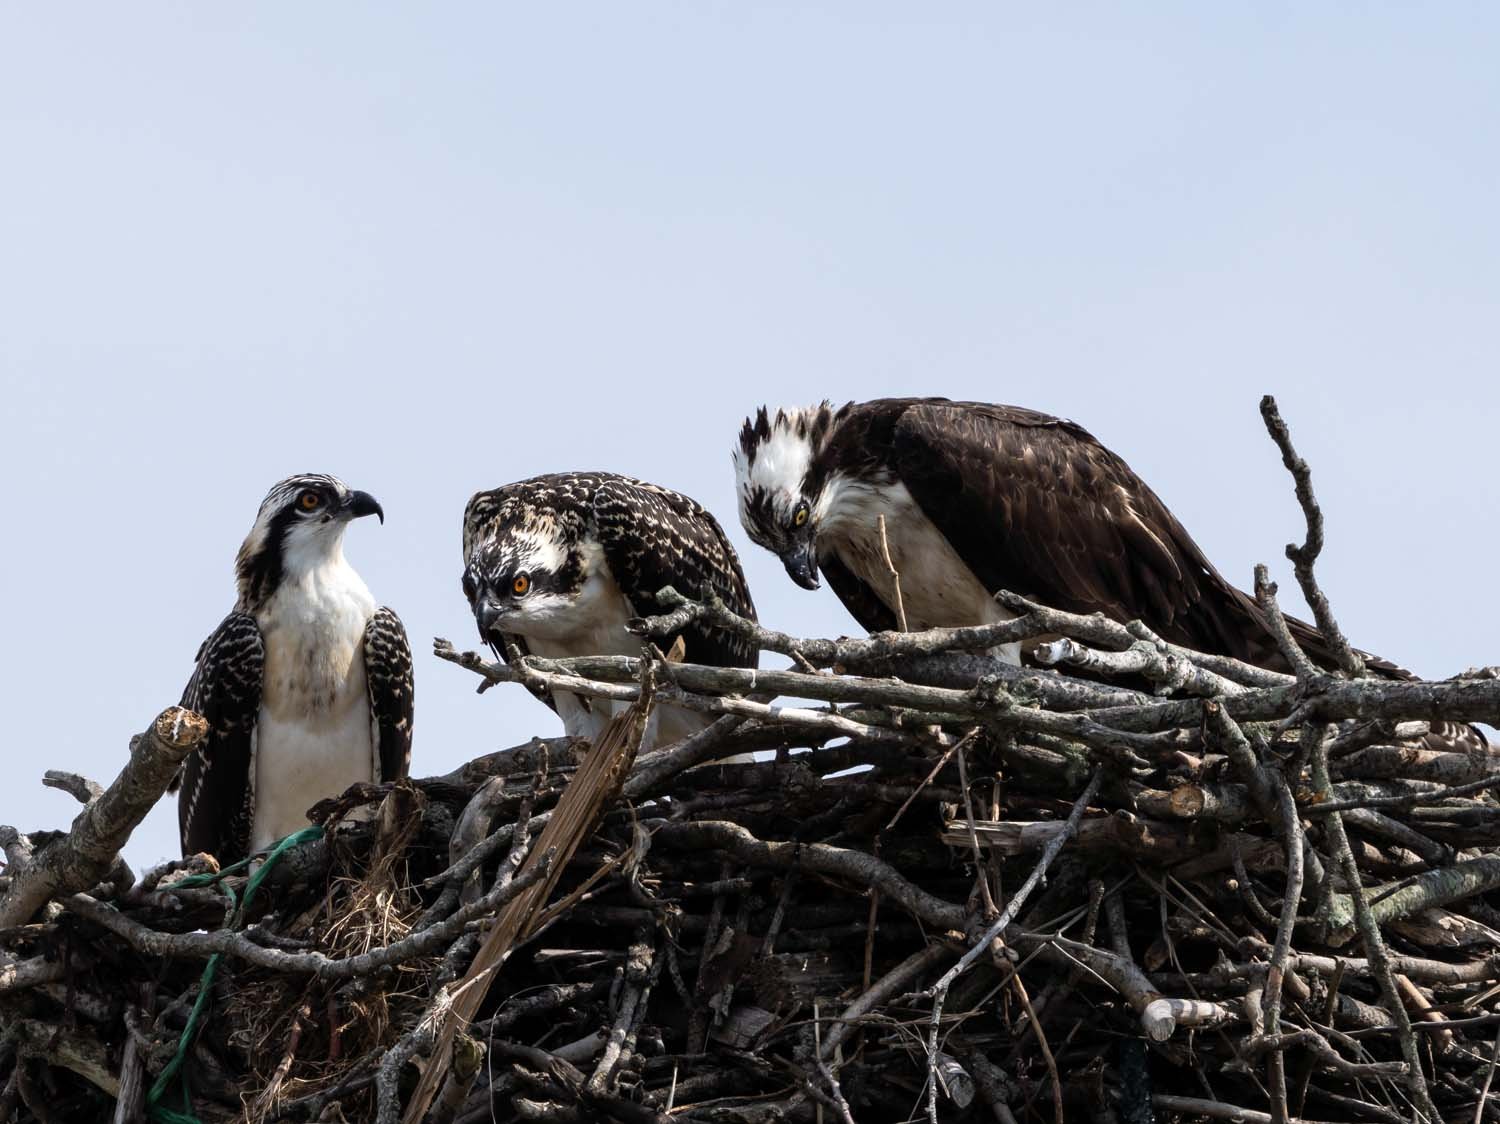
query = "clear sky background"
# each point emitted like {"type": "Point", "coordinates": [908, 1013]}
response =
{"type": "Point", "coordinates": [435, 249]}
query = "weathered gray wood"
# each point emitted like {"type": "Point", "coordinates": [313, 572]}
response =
{"type": "Point", "coordinates": [85, 855]}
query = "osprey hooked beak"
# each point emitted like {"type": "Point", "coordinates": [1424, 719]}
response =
{"type": "Point", "coordinates": [362, 503]}
{"type": "Point", "coordinates": [487, 614]}
{"type": "Point", "coordinates": [801, 562]}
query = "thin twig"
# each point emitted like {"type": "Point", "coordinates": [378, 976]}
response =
{"type": "Point", "coordinates": [890, 567]}
{"type": "Point", "coordinates": [939, 992]}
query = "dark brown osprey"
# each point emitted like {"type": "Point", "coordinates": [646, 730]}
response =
{"type": "Point", "coordinates": [977, 498]}
{"type": "Point", "coordinates": [306, 685]}
{"type": "Point", "coordinates": [558, 564]}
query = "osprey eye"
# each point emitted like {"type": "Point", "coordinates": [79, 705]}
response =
{"type": "Point", "coordinates": [309, 500]}
{"type": "Point", "coordinates": [520, 584]}
{"type": "Point", "coordinates": [801, 516]}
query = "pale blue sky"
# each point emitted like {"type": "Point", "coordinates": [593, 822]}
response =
{"type": "Point", "coordinates": [433, 249]}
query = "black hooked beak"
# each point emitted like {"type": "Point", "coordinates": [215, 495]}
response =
{"type": "Point", "coordinates": [801, 562]}
{"type": "Point", "coordinates": [362, 503]}
{"type": "Point", "coordinates": [487, 614]}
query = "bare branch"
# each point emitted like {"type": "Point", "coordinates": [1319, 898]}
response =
{"type": "Point", "coordinates": [79, 788]}
{"type": "Point", "coordinates": [84, 856]}
{"type": "Point", "coordinates": [1304, 556]}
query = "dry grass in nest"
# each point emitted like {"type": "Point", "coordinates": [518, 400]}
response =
{"type": "Point", "coordinates": [300, 1035]}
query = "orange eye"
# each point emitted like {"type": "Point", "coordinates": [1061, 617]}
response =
{"type": "Point", "coordinates": [520, 585]}
{"type": "Point", "coordinates": [309, 500]}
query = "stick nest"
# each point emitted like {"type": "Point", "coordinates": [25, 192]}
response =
{"type": "Point", "coordinates": [1130, 883]}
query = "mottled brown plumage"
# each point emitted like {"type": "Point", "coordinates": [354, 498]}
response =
{"type": "Point", "coordinates": [584, 540]}
{"type": "Point", "coordinates": [388, 672]}
{"type": "Point", "coordinates": [1030, 503]}
{"type": "Point", "coordinates": [216, 804]}
{"type": "Point", "coordinates": [1036, 505]}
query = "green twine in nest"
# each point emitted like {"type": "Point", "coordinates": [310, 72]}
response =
{"type": "Point", "coordinates": [158, 1112]}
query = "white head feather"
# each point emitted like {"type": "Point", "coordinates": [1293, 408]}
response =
{"type": "Point", "coordinates": [771, 463]}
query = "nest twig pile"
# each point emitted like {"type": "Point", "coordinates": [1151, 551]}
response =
{"type": "Point", "coordinates": [1162, 886]}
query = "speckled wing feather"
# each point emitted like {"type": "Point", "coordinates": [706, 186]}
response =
{"type": "Point", "coordinates": [654, 537]}
{"type": "Point", "coordinates": [216, 803]}
{"type": "Point", "coordinates": [388, 673]}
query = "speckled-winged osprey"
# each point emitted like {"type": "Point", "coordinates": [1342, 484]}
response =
{"type": "Point", "coordinates": [978, 498]}
{"type": "Point", "coordinates": [306, 685]}
{"type": "Point", "coordinates": [558, 564]}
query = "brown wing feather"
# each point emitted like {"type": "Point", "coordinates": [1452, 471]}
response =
{"type": "Point", "coordinates": [863, 603]}
{"type": "Point", "coordinates": [1036, 505]}
{"type": "Point", "coordinates": [654, 537]}
{"type": "Point", "coordinates": [388, 674]}
{"type": "Point", "coordinates": [214, 806]}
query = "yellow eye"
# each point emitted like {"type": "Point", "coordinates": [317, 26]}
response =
{"type": "Point", "coordinates": [520, 585]}
{"type": "Point", "coordinates": [801, 516]}
{"type": "Point", "coordinates": [309, 500]}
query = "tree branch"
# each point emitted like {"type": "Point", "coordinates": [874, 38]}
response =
{"type": "Point", "coordinates": [84, 856]}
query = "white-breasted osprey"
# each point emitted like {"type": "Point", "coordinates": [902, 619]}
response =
{"type": "Point", "coordinates": [978, 498]}
{"type": "Point", "coordinates": [558, 564]}
{"type": "Point", "coordinates": [306, 685]}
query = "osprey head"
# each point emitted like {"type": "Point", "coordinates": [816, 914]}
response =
{"type": "Point", "coordinates": [300, 526]}
{"type": "Point", "coordinates": [779, 488]}
{"type": "Point", "coordinates": [527, 574]}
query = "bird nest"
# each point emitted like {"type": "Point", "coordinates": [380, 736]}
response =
{"type": "Point", "coordinates": [298, 1036]}
{"type": "Point", "coordinates": [1134, 883]}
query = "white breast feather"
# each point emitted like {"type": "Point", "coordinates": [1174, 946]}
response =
{"type": "Point", "coordinates": [314, 735]}
{"type": "Point", "coordinates": [938, 590]}
{"type": "Point", "coordinates": [594, 625]}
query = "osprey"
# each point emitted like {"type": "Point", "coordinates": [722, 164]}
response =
{"type": "Point", "coordinates": [966, 498]}
{"type": "Point", "coordinates": [558, 564]}
{"type": "Point", "coordinates": [306, 685]}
